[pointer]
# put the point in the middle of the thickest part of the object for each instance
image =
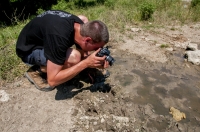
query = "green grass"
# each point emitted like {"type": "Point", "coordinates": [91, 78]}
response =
{"type": "Point", "coordinates": [117, 14]}
{"type": "Point", "coordinates": [164, 46]}
{"type": "Point", "coordinates": [10, 64]}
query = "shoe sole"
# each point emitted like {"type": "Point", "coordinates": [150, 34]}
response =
{"type": "Point", "coordinates": [33, 82]}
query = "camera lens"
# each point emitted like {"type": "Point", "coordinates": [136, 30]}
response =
{"type": "Point", "coordinates": [110, 60]}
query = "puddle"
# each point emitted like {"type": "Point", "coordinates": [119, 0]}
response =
{"type": "Point", "coordinates": [125, 80]}
{"type": "Point", "coordinates": [179, 57]}
{"type": "Point", "coordinates": [144, 91]}
{"type": "Point", "coordinates": [161, 91]}
{"type": "Point", "coordinates": [145, 97]}
{"type": "Point", "coordinates": [183, 91]}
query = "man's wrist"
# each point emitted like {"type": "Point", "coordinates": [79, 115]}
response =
{"type": "Point", "coordinates": [84, 64]}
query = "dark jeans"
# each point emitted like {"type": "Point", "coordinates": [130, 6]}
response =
{"type": "Point", "coordinates": [36, 58]}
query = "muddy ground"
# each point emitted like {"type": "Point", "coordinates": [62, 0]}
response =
{"type": "Point", "coordinates": [145, 81]}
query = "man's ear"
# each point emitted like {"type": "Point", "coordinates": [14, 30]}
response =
{"type": "Point", "coordinates": [88, 40]}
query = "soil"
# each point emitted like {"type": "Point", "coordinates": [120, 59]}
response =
{"type": "Point", "coordinates": [145, 82]}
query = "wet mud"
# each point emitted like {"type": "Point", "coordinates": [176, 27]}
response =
{"type": "Point", "coordinates": [141, 95]}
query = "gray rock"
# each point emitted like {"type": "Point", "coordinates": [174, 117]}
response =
{"type": "Point", "coordinates": [193, 56]}
{"type": "Point", "coordinates": [135, 29]}
{"type": "Point", "coordinates": [192, 46]}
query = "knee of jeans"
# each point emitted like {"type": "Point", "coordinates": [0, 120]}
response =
{"type": "Point", "coordinates": [40, 59]}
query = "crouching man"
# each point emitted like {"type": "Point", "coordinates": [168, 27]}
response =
{"type": "Point", "coordinates": [45, 44]}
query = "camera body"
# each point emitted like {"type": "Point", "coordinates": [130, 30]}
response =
{"type": "Point", "coordinates": [106, 52]}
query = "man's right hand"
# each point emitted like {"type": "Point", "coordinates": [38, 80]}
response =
{"type": "Point", "coordinates": [94, 61]}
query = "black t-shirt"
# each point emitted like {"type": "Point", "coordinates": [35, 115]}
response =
{"type": "Point", "coordinates": [53, 30]}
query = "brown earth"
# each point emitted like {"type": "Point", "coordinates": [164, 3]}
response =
{"type": "Point", "coordinates": [145, 81]}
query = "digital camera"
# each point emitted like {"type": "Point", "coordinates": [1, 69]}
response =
{"type": "Point", "coordinates": [106, 52]}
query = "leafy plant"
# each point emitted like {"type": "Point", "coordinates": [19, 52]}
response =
{"type": "Point", "coordinates": [146, 9]}
{"type": "Point", "coordinates": [195, 3]}
{"type": "Point", "coordinates": [195, 10]}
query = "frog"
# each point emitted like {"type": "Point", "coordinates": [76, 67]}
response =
{"type": "Point", "coordinates": [177, 115]}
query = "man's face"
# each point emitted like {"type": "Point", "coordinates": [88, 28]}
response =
{"type": "Point", "coordinates": [90, 46]}
{"type": "Point", "coordinates": [94, 46]}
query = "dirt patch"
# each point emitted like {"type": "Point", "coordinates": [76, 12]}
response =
{"type": "Point", "coordinates": [146, 80]}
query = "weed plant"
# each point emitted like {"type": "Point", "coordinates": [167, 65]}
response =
{"type": "Point", "coordinates": [117, 14]}
{"type": "Point", "coordinates": [164, 45]}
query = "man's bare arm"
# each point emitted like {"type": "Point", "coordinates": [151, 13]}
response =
{"type": "Point", "coordinates": [57, 75]}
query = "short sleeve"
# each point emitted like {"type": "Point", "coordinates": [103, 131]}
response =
{"type": "Point", "coordinates": [55, 48]}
